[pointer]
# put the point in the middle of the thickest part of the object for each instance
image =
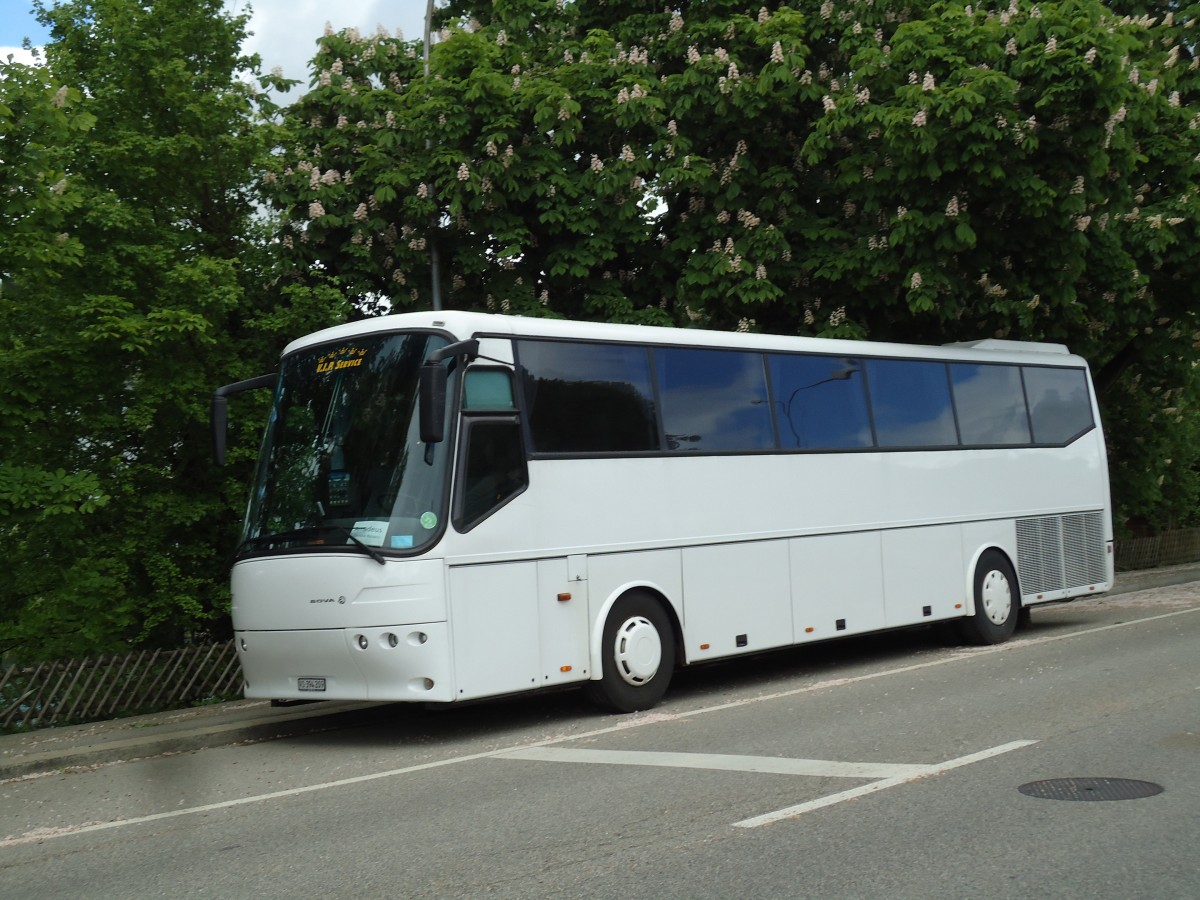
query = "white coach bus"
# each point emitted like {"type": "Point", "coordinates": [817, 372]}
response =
{"type": "Point", "coordinates": [451, 506]}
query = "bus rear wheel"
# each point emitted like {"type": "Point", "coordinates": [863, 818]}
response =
{"type": "Point", "coordinates": [997, 602]}
{"type": "Point", "coordinates": [638, 655]}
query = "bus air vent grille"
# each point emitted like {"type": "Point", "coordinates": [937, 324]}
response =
{"type": "Point", "coordinates": [1059, 552]}
{"type": "Point", "coordinates": [1083, 549]}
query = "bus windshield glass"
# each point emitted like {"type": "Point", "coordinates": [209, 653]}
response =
{"type": "Point", "coordinates": [342, 465]}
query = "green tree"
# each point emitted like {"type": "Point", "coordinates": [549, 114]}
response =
{"type": "Point", "coordinates": [114, 338]}
{"type": "Point", "coordinates": [844, 167]}
{"type": "Point", "coordinates": [38, 119]}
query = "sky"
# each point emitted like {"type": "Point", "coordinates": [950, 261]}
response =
{"type": "Point", "coordinates": [284, 31]}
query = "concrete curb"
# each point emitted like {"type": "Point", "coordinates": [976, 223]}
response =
{"type": "Point", "coordinates": [1143, 580]}
{"type": "Point", "coordinates": [176, 731]}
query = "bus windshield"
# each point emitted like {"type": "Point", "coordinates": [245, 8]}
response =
{"type": "Point", "coordinates": [342, 465]}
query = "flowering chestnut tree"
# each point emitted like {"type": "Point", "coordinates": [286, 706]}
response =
{"type": "Point", "coordinates": [844, 167]}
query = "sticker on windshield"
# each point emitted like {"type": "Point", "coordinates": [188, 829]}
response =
{"type": "Point", "coordinates": [402, 541]}
{"type": "Point", "coordinates": [370, 533]}
{"type": "Point", "coordinates": [428, 521]}
{"type": "Point", "coordinates": [341, 358]}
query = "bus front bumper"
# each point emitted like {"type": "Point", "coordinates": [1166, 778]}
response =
{"type": "Point", "coordinates": [398, 663]}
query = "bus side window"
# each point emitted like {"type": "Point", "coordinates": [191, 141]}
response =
{"type": "Point", "coordinates": [493, 469]}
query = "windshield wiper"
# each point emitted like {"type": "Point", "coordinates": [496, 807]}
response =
{"type": "Point", "coordinates": [309, 530]}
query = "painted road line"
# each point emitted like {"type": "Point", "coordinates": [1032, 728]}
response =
{"type": "Point", "coordinates": [770, 765]}
{"type": "Point", "coordinates": [800, 809]}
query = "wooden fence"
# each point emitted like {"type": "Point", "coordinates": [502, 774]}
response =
{"type": "Point", "coordinates": [1171, 548]}
{"type": "Point", "coordinates": [66, 692]}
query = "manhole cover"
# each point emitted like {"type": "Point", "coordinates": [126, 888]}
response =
{"type": "Point", "coordinates": [1091, 789]}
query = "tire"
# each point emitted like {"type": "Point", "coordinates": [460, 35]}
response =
{"type": "Point", "coordinates": [638, 655]}
{"type": "Point", "coordinates": [997, 602]}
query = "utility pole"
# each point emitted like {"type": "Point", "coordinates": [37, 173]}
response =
{"type": "Point", "coordinates": [435, 278]}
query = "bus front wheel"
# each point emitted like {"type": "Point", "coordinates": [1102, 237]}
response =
{"type": "Point", "coordinates": [638, 655]}
{"type": "Point", "coordinates": [997, 602]}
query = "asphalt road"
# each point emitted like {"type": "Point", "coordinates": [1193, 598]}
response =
{"type": "Point", "coordinates": [882, 767]}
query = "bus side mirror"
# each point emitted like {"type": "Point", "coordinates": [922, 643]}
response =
{"type": "Point", "coordinates": [431, 388]}
{"type": "Point", "coordinates": [432, 401]}
{"type": "Point", "coordinates": [219, 419]}
{"type": "Point", "coordinates": [220, 410]}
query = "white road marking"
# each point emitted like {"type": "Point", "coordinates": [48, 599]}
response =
{"type": "Point", "coordinates": [800, 809]}
{"type": "Point", "coordinates": [636, 721]}
{"type": "Point", "coordinates": [770, 765]}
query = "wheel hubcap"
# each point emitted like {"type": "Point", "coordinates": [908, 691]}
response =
{"type": "Point", "coordinates": [637, 651]}
{"type": "Point", "coordinates": [997, 597]}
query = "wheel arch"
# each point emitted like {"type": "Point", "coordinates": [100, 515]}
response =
{"type": "Point", "coordinates": [973, 567]}
{"type": "Point", "coordinates": [596, 638]}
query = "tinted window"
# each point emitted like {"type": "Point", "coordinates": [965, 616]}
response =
{"type": "Point", "coordinates": [820, 401]}
{"type": "Point", "coordinates": [488, 389]}
{"type": "Point", "coordinates": [493, 468]}
{"type": "Point", "coordinates": [713, 400]}
{"type": "Point", "coordinates": [990, 404]}
{"type": "Point", "coordinates": [910, 401]}
{"type": "Point", "coordinates": [588, 398]}
{"type": "Point", "coordinates": [1059, 404]}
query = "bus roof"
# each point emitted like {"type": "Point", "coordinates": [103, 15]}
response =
{"type": "Point", "coordinates": [465, 325]}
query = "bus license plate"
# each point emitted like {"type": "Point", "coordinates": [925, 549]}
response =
{"type": "Point", "coordinates": [310, 684]}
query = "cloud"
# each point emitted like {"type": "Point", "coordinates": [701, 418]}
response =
{"type": "Point", "coordinates": [18, 55]}
{"type": "Point", "coordinates": [285, 32]}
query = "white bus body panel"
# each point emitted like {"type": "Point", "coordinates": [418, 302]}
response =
{"type": "Point", "coordinates": [839, 543]}
{"type": "Point", "coordinates": [331, 602]}
{"type": "Point", "coordinates": [518, 626]}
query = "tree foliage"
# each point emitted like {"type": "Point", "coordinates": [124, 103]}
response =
{"type": "Point", "coordinates": [133, 286]}
{"type": "Point", "coordinates": [38, 120]}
